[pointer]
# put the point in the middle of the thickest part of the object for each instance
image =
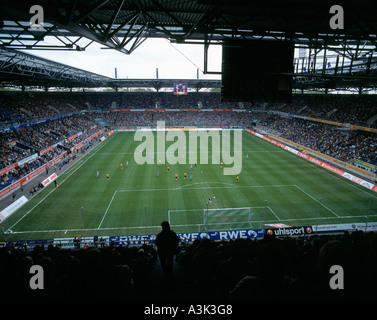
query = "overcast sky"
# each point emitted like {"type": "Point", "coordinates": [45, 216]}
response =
{"type": "Point", "coordinates": [142, 63]}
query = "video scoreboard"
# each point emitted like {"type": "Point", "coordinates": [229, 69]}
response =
{"type": "Point", "coordinates": [180, 88]}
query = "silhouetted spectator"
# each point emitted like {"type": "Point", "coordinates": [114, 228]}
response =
{"type": "Point", "coordinates": [167, 246]}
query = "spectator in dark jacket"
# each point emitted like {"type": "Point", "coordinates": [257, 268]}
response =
{"type": "Point", "coordinates": [167, 245]}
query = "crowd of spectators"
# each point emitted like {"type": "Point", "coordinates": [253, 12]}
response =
{"type": "Point", "coordinates": [164, 100]}
{"type": "Point", "coordinates": [10, 152]}
{"type": "Point", "coordinates": [352, 109]}
{"type": "Point", "coordinates": [284, 268]}
{"type": "Point", "coordinates": [109, 272]}
{"type": "Point", "coordinates": [179, 118]}
{"type": "Point", "coordinates": [41, 136]}
{"type": "Point", "coordinates": [25, 142]}
{"type": "Point", "coordinates": [17, 108]}
{"type": "Point", "coordinates": [25, 107]}
{"type": "Point", "coordinates": [344, 145]}
{"type": "Point", "coordinates": [268, 268]}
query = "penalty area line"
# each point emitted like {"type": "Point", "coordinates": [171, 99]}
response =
{"type": "Point", "coordinates": [107, 209]}
{"type": "Point", "coordinates": [318, 201]}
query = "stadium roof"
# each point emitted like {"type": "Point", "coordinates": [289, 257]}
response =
{"type": "Point", "coordinates": [123, 25]}
{"type": "Point", "coordinates": [23, 69]}
{"type": "Point", "coordinates": [118, 23]}
{"type": "Point", "coordinates": [19, 68]}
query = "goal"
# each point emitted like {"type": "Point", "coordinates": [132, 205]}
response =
{"type": "Point", "coordinates": [211, 219]}
{"type": "Point", "coordinates": [227, 218]}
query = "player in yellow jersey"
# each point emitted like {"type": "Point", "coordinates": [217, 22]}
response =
{"type": "Point", "coordinates": [184, 176]}
{"type": "Point", "coordinates": [221, 164]}
{"type": "Point", "coordinates": [107, 176]}
{"type": "Point", "coordinates": [168, 169]}
{"type": "Point", "coordinates": [121, 166]}
{"type": "Point", "coordinates": [238, 179]}
{"type": "Point", "coordinates": [176, 177]}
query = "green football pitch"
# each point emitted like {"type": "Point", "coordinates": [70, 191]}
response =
{"type": "Point", "coordinates": [275, 187]}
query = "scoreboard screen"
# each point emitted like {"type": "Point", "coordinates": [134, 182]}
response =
{"type": "Point", "coordinates": [180, 88]}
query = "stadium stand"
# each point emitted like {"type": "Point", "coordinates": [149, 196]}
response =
{"type": "Point", "coordinates": [23, 143]}
{"type": "Point", "coordinates": [341, 144]}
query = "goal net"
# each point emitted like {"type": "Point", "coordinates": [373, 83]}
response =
{"type": "Point", "coordinates": [198, 220]}
{"type": "Point", "coordinates": [227, 218]}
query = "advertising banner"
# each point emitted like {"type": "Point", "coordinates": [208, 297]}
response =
{"type": "Point", "coordinates": [137, 240]}
{"type": "Point", "coordinates": [9, 168]}
{"type": "Point", "coordinates": [12, 208]}
{"type": "Point", "coordinates": [365, 164]}
{"type": "Point", "coordinates": [45, 150]}
{"type": "Point", "coordinates": [47, 181]}
{"type": "Point", "coordinates": [351, 227]}
{"type": "Point", "coordinates": [289, 232]}
{"type": "Point", "coordinates": [28, 159]}
{"type": "Point", "coordinates": [191, 236]}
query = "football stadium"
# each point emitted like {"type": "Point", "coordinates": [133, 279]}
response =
{"type": "Point", "coordinates": [253, 181]}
